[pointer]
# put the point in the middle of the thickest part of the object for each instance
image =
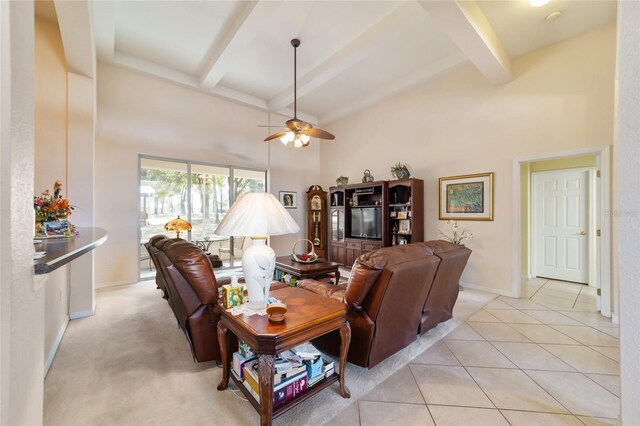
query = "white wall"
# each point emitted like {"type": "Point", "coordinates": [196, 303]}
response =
{"type": "Point", "coordinates": [561, 99]}
{"type": "Point", "coordinates": [139, 114]}
{"type": "Point", "coordinates": [21, 302]}
{"type": "Point", "coordinates": [628, 137]}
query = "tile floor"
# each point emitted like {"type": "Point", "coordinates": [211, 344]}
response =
{"type": "Point", "coordinates": [547, 358]}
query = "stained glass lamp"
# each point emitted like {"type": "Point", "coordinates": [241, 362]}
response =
{"type": "Point", "coordinates": [178, 225]}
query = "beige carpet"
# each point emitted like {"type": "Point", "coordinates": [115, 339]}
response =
{"type": "Point", "coordinates": [130, 365]}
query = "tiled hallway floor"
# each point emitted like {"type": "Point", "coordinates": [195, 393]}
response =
{"type": "Point", "coordinates": [545, 359]}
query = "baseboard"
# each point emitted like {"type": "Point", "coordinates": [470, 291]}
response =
{"type": "Point", "coordinates": [487, 289]}
{"type": "Point", "coordinates": [81, 314]}
{"type": "Point", "coordinates": [54, 349]}
{"type": "Point", "coordinates": [114, 283]}
{"type": "Point", "coordinates": [527, 277]}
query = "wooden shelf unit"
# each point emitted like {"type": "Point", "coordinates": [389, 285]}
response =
{"type": "Point", "coordinates": [344, 247]}
{"type": "Point", "coordinates": [336, 225]}
{"type": "Point", "coordinates": [405, 215]}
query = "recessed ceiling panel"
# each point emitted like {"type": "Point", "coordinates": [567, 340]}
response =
{"type": "Point", "coordinates": [323, 27]}
{"type": "Point", "coordinates": [175, 34]}
{"type": "Point", "coordinates": [414, 49]}
{"type": "Point", "coordinates": [523, 28]}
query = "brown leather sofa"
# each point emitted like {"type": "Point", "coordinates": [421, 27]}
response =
{"type": "Point", "coordinates": [393, 294]}
{"type": "Point", "coordinates": [191, 290]}
{"type": "Point", "coordinates": [186, 275]}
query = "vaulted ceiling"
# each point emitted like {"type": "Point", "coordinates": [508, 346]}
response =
{"type": "Point", "coordinates": [353, 53]}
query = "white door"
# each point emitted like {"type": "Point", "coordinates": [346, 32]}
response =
{"type": "Point", "coordinates": [560, 210]}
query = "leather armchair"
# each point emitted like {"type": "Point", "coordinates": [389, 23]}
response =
{"type": "Point", "coordinates": [385, 297]}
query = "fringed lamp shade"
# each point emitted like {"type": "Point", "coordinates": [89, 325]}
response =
{"type": "Point", "coordinates": [177, 225]}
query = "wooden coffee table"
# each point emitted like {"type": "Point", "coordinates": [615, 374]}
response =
{"type": "Point", "coordinates": [308, 316]}
{"type": "Point", "coordinates": [307, 270]}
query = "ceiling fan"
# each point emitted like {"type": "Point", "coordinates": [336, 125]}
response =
{"type": "Point", "coordinates": [299, 132]}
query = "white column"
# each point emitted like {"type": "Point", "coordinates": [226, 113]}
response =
{"type": "Point", "coordinates": [21, 300]}
{"type": "Point", "coordinates": [80, 186]}
{"type": "Point", "coordinates": [628, 211]}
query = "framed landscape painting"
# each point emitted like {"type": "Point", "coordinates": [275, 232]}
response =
{"type": "Point", "coordinates": [468, 197]}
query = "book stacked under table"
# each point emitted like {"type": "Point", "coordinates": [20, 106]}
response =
{"type": "Point", "coordinates": [295, 371]}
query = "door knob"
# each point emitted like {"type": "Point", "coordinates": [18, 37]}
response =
{"type": "Point", "coordinates": [582, 233]}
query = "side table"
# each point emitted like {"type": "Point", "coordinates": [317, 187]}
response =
{"type": "Point", "coordinates": [308, 316]}
{"type": "Point", "coordinates": [307, 270]}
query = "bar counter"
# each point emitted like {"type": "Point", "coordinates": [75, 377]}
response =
{"type": "Point", "coordinates": [60, 251]}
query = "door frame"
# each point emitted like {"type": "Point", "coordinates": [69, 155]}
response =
{"type": "Point", "coordinates": [590, 224]}
{"type": "Point", "coordinates": [603, 164]}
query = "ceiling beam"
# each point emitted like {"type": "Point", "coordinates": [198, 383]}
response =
{"type": "Point", "coordinates": [104, 17]}
{"type": "Point", "coordinates": [147, 67]}
{"type": "Point", "coordinates": [177, 77]}
{"type": "Point", "coordinates": [74, 20]}
{"type": "Point", "coordinates": [402, 84]}
{"type": "Point", "coordinates": [470, 30]}
{"type": "Point", "coordinates": [250, 18]}
{"type": "Point", "coordinates": [353, 52]}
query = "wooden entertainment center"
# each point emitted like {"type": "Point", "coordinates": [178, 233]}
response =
{"type": "Point", "coordinates": [365, 217]}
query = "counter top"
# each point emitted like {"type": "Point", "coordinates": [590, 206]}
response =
{"type": "Point", "coordinates": [60, 251]}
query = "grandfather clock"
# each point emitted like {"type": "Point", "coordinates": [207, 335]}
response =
{"type": "Point", "coordinates": [316, 219]}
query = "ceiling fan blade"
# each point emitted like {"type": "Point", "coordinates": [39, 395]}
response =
{"type": "Point", "coordinates": [276, 135]}
{"type": "Point", "coordinates": [318, 133]}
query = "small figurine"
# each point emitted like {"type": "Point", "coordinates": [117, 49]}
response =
{"type": "Point", "coordinates": [367, 177]}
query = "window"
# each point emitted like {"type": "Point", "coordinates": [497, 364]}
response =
{"type": "Point", "coordinates": [200, 193]}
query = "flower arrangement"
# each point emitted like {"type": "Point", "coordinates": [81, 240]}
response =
{"type": "Point", "coordinates": [49, 207]}
{"type": "Point", "coordinates": [455, 235]}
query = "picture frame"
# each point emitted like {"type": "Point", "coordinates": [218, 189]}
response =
{"type": "Point", "coordinates": [59, 228]}
{"type": "Point", "coordinates": [402, 215]}
{"type": "Point", "coordinates": [289, 199]}
{"type": "Point", "coordinates": [466, 197]}
{"type": "Point", "coordinates": [392, 213]}
{"type": "Point", "coordinates": [404, 227]}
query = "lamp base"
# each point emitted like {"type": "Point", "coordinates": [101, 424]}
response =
{"type": "Point", "coordinates": [257, 306]}
{"type": "Point", "coordinates": [258, 264]}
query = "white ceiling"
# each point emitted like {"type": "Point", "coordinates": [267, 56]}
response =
{"type": "Point", "coordinates": [353, 53]}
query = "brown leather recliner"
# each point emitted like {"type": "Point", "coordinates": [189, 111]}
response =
{"type": "Point", "coordinates": [438, 307]}
{"type": "Point", "coordinates": [193, 295]}
{"type": "Point", "coordinates": [385, 296]}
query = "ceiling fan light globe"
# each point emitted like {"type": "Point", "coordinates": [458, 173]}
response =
{"type": "Point", "coordinates": [288, 137]}
{"type": "Point", "coordinates": [298, 143]}
{"type": "Point", "coordinates": [305, 139]}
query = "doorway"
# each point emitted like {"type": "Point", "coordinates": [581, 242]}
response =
{"type": "Point", "coordinates": [560, 224]}
{"type": "Point", "coordinates": [562, 231]}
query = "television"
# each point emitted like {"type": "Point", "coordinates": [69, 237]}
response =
{"type": "Point", "coordinates": [366, 222]}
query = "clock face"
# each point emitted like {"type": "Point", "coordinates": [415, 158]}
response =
{"type": "Point", "coordinates": [316, 203]}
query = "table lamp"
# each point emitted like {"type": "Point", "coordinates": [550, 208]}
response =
{"type": "Point", "coordinates": [257, 215]}
{"type": "Point", "coordinates": [178, 225]}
